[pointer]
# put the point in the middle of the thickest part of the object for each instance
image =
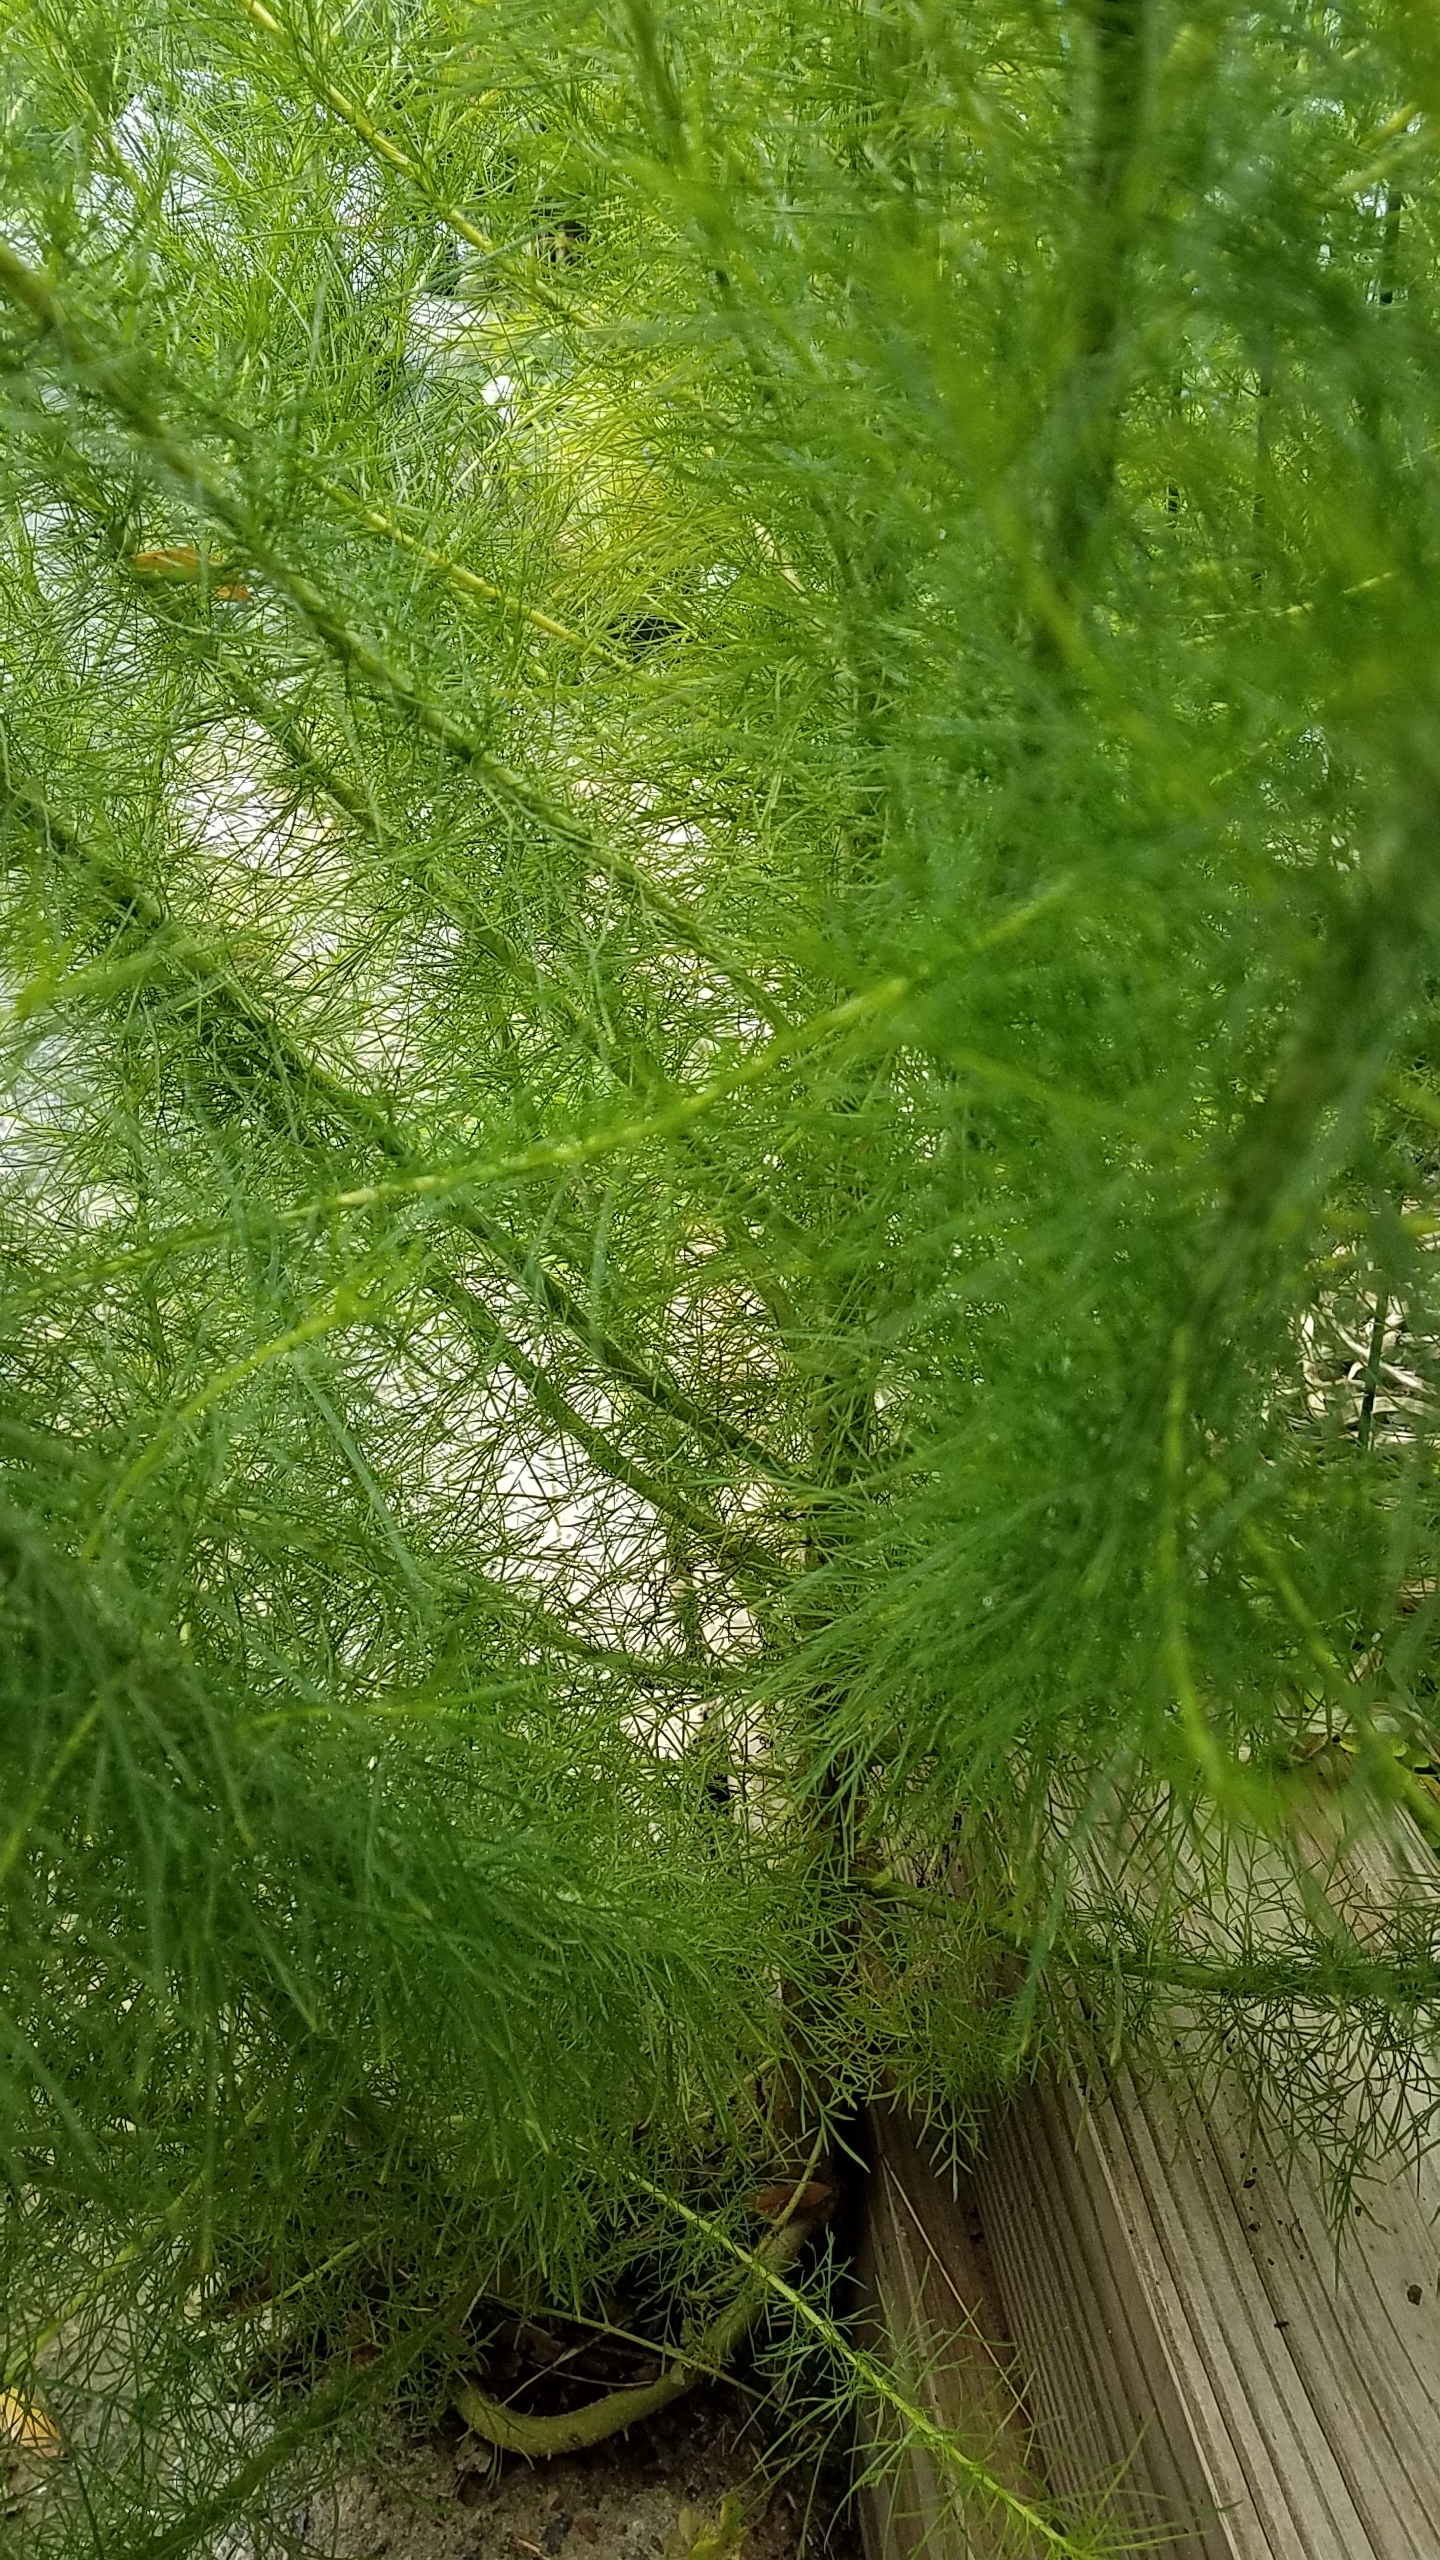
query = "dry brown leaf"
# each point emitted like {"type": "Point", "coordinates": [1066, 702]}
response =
{"type": "Point", "coordinates": [773, 2201]}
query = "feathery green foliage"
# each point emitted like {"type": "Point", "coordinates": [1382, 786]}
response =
{"type": "Point", "coordinates": [721, 759]}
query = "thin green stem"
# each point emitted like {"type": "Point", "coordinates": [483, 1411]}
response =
{"type": "Point", "coordinates": [873, 2380]}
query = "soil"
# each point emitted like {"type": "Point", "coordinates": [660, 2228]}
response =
{"type": "Point", "coordinates": [659, 2490]}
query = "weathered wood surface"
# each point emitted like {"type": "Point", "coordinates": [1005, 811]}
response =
{"type": "Point", "coordinates": [1178, 2299]}
{"type": "Point", "coordinates": [1182, 2330]}
{"type": "Point", "coordinates": [935, 2315]}
{"type": "Point", "coordinates": [1193, 2339]}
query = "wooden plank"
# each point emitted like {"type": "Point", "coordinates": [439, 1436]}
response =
{"type": "Point", "coordinates": [1172, 2367]}
{"type": "Point", "coordinates": [1109, 2407]}
{"type": "Point", "coordinates": [1200, 2351]}
{"type": "Point", "coordinates": [1198, 2348]}
{"type": "Point", "coordinates": [931, 2308]}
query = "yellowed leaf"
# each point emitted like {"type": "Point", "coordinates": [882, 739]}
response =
{"type": "Point", "coordinates": [24, 2428]}
{"type": "Point", "coordinates": [182, 563]}
{"type": "Point", "coordinates": [698, 2537]}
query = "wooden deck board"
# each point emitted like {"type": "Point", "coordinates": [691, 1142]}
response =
{"type": "Point", "coordinates": [935, 2316]}
{"type": "Point", "coordinates": [1194, 2338]}
{"type": "Point", "coordinates": [1191, 2338]}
